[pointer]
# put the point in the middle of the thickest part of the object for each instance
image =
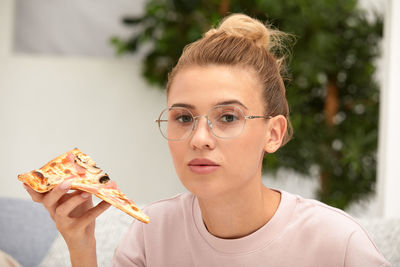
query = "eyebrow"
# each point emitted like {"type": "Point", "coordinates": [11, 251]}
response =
{"type": "Point", "coordinates": [227, 102]}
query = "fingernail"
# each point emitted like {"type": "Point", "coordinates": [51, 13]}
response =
{"type": "Point", "coordinates": [85, 195]}
{"type": "Point", "coordinates": [65, 185]}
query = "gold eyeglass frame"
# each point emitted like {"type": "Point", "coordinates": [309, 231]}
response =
{"type": "Point", "coordinates": [209, 123]}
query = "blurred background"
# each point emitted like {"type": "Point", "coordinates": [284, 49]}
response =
{"type": "Point", "coordinates": [90, 74]}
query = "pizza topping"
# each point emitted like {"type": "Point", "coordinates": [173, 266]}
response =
{"type": "Point", "coordinates": [38, 174]}
{"type": "Point", "coordinates": [84, 158]}
{"type": "Point", "coordinates": [80, 170]}
{"type": "Point", "coordinates": [111, 185]}
{"type": "Point", "coordinates": [104, 179]}
{"type": "Point", "coordinates": [86, 162]}
{"type": "Point", "coordinates": [67, 171]}
{"type": "Point", "coordinates": [133, 206]}
{"type": "Point", "coordinates": [40, 177]}
{"type": "Point", "coordinates": [50, 172]}
{"type": "Point", "coordinates": [65, 160]}
{"type": "Point", "coordinates": [93, 170]}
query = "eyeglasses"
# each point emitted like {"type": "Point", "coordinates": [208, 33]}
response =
{"type": "Point", "coordinates": [224, 121]}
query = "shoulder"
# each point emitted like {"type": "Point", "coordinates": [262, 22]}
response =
{"type": "Point", "coordinates": [331, 227]}
{"type": "Point", "coordinates": [323, 223]}
{"type": "Point", "coordinates": [315, 213]}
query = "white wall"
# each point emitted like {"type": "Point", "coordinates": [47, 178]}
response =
{"type": "Point", "coordinates": [49, 105]}
{"type": "Point", "coordinates": [389, 128]}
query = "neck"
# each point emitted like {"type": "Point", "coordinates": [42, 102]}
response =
{"type": "Point", "coordinates": [240, 214]}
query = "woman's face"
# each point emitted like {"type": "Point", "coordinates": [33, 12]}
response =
{"type": "Point", "coordinates": [239, 159]}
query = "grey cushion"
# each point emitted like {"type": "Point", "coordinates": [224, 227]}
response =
{"type": "Point", "coordinates": [26, 230]}
{"type": "Point", "coordinates": [386, 235]}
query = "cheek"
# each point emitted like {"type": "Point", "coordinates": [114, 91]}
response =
{"type": "Point", "coordinates": [177, 151]}
{"type": "Point", "coordinates": [244, 157]}
{"type": "Point", "coordinates": [246, 153]}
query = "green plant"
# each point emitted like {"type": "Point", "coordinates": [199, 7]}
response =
{"type": "Point", "coordinates": [333, 97]}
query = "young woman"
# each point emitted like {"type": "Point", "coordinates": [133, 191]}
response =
{"type": "Point", "coordinates": [226, 109]}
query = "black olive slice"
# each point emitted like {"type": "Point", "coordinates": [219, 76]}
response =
{"type": "Point", "coordinates": [104, 179]}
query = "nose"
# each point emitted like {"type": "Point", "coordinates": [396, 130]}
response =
{"type": "Point", "coordinates": [202, 136]}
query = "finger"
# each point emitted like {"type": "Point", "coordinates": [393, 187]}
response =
{"type": "Point", "coordinates": [93, 213]}
{"type": "Point", "coordinates": [67, 207]}
{"type": "Point", "coordinates": [82, 208]}
{"type": "Point", "coordinates": [50, 200]}
{"type": "Point", "coordinates": [67, 196]}
{"type": "Point", "coordinates": [37, 197]}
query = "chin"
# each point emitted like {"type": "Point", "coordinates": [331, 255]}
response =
{"type": "Point", "coordinates": [204, 187]}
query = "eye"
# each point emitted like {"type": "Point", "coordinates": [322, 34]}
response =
{"type": "Point", "coordinates": [184, 118]}
{"type": "Point", "coordinates": [228, 118]}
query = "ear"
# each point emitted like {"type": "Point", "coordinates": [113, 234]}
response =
{"type": "Point", "coordinates": [276, 129]}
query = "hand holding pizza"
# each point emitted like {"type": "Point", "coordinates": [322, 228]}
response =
{"type": "Point", "coordinates": [73, 213]}
{"type": "Point", "coordinates": [74, 216]}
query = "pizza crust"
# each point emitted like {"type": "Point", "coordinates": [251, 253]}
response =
{"type": "Point", "coordinates": [113, 196]}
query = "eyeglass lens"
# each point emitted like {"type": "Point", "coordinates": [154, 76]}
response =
{"type": "Point", "coordinates": [177, 123]}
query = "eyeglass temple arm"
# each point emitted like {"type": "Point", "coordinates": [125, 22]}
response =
{"type": "Point", "coordinates": [258, 117]}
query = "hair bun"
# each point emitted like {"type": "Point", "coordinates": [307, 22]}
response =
{"type": "Point", "coordinates": [243, 26]}
{"type": "Point", "coordinates": [240, 25]}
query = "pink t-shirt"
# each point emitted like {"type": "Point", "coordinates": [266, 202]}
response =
{"type": "Point", "coordinates": [302, 232]}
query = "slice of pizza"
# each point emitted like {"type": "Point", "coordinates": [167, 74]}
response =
{"type": "Point", "coordinates": [84, 175]}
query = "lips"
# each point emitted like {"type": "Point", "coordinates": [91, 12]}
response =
{"type": "Point", "coordinates": [202, 166]}
{"type": "Point", "coordinates": [200, 162]}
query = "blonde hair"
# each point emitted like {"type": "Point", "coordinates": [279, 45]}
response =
{"type": "Point", "coordinates": [240, 40]}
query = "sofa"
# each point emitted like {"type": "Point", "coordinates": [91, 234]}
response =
{"type": "Point", "coordinates": [29, 236]}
